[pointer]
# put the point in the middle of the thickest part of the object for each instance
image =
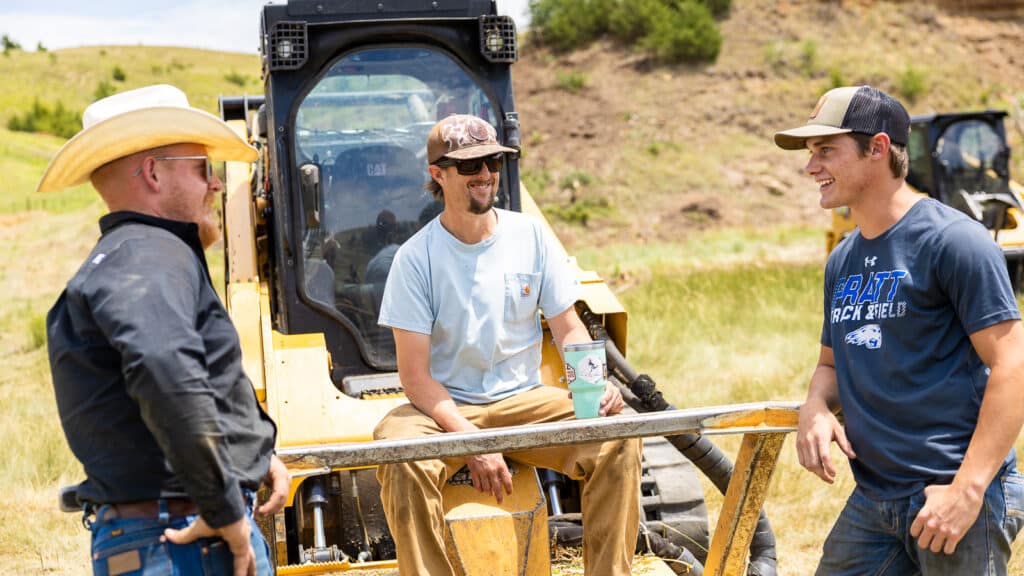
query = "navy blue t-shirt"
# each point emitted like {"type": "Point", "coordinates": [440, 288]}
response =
{"type": "Point", "coordinates": [899, 310]}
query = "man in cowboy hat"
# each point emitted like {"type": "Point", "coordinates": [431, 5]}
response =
{"type": "Point", "coordinates": [463, 299]}
{"type": "Point", "coordinates": [146, 363]}
{"type": "Point", "coordinates": [921, 349]}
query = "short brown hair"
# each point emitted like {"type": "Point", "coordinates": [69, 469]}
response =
{"type": "Point", "coordinates": [899, 162]}
{"type": "Point", "coordinates": [435, 189]}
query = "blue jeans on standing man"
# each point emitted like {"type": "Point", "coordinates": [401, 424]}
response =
{"type": "Point", "coordinates": [872, 537]}
{"type": "Point", "coordinates": [132, 547]}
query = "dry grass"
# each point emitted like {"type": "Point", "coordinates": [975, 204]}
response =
{"type": "Point", "coordinates": [41, 251]}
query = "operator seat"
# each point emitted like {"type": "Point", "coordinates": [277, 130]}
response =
{"type": "Point", "coordinates": [369, 179]}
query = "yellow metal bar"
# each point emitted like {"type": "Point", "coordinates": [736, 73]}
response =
{"type": "Point", "coordinates": [742, 506]}
{"type": "Point", "coordinates": [239, 220]}
{"type": "Point", "coordinates": [243, 299]}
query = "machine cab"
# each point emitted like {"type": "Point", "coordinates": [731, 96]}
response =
{"type": "Point", "coordinates": [347, 114]}
{"type": "Point", "coordinates": [963, 160]}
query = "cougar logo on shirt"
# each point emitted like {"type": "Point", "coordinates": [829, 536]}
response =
{"type": "Point", "coordinates": [869, 335]}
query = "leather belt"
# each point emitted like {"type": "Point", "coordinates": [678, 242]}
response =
{"type": "Point", "coordinates": [151, 509]}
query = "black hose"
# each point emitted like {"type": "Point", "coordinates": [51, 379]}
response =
{"type": "Point", "coordinates": [566, 530]}
{"type": "Point", "coordinates": [695, 447]}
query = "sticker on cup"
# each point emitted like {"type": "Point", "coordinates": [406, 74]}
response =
{"type": "Point", "coordinates": [585, 372]}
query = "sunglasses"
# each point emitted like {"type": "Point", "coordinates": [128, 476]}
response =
{"type": "Point", "coordinates": [206, 160]}
{"type": "Point", "coordinates": [473, 166]}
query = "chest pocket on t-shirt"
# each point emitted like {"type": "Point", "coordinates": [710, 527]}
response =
{"type": "Point", "coordinates": [521, 290]}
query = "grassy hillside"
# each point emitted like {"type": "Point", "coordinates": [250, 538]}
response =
{"type": "Point", "coordinates": [663, 179]}
{"type": "Point", "coordinates": [655, 153]}
{"type": "Point", "coordinates": [73, 75]}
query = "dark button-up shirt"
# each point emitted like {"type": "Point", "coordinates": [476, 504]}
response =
{"type": "Point", "coordinates": [147, 371]}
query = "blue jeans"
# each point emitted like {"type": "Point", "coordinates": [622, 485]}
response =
{"type": "Point", "coordinates": [872, 537]}
{"type": "Point", "coordinates": [132, 547]}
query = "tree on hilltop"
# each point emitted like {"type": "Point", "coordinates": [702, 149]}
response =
{"type": "Point", "coordinates": [9, 44]}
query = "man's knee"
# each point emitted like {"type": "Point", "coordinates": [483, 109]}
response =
{"type": "Point", "coordinates": [626, 452]}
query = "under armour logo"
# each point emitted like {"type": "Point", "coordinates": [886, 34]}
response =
{"type": "Point", "coordinates": [870, 260]}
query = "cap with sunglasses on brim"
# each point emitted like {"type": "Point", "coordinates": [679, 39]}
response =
{"type": "Point", "coordinates": [860, 109]}
{"type": "Point", "coordinates": [137, 120]}
{"type": "Point", "coordinates": [463, 137]}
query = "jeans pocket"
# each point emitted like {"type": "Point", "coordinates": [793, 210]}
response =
{"type": "Point", "coordinates": [1013, 494]}
{"type": "Point", "coordinates": [118, 550]}
{"type": "Point", "coordinates": [217, 558]}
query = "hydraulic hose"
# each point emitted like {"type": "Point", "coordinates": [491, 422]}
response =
{"type": "Point", "coordinates": [567, 531]}
{"type": "Point", "coordinates": [707, 457]}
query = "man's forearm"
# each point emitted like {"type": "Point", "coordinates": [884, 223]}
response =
{"type": "Point", "coordinates": [999, 423]}
{"type": "Point", "coordinates": [188, 430]}
{"type": "Point", "coordinates": [823, 387]}
{"type": "Point", "coordinates": [431, 398]}
{"type": "Point", "coordinates": [567, 328]}
{"type": "Point", "coordinates": [575, 336]}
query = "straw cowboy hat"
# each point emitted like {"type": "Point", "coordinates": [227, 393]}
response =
{"type": "Point", "coordinates": [137, 120]}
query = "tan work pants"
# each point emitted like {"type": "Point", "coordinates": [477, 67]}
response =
{"type": "Point", "coordinates": [610, 471]}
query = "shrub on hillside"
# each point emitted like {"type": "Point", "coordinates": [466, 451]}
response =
{"type": "Point", "coordinates": [912, 83]}
{"type": "Point", "coordinates": [718, 8]}
{"type": "Point", "coordinates": [41, 118]}
{"type": "Point", "coordinates": [630, 21]}
{"type": "Point", "coordinates": [569, 24]}
{"type": "Point", "coordinates": [103, 89]}
{"type": "Point", "coordinates": [687, 34]}
{"type": "Point", "coordinates": [118, 74]}
{"type": "Point", "coordinates": [672, 30]}
{"type": "Point", "coordinates": [236, 78]}
{"type": "Point", "coordinates": [809, 60]}
{"type": "Point", "coordinates": [573, 82]}
{"type": "Point", "coordinates": [9, 44]}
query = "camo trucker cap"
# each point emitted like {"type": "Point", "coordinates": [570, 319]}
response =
{"type": "Point", "coordinates": [461, 137]}
{"type": "Point", "coordinates": [860, 109]}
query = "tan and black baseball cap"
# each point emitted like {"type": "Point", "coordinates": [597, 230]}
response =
{"type": "Point", "coordinates": [860, 109]}
{"type": "Point", "coordinates": [461, 137]}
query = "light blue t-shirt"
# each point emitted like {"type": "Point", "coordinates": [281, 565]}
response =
{"type": "Point", "coordinates": [480, 303]}
{"type": "Point", "coordinates": [899, 312]}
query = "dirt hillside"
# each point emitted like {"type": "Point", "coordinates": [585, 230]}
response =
{"type": "Point", "coordinates": [607, 133]}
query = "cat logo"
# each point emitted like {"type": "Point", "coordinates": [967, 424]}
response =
{"type": "Point", "coordinates": [869, 335]}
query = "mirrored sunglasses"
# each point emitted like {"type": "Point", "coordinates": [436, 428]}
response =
{"type": "Point", "coordinates": [473, 166]}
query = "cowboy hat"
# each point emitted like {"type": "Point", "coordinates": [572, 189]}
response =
{"type": "Point", "coordinates": [137, 120]}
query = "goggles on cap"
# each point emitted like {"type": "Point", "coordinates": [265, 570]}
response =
{"type": "Point", "coordinates": [473, 166]}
